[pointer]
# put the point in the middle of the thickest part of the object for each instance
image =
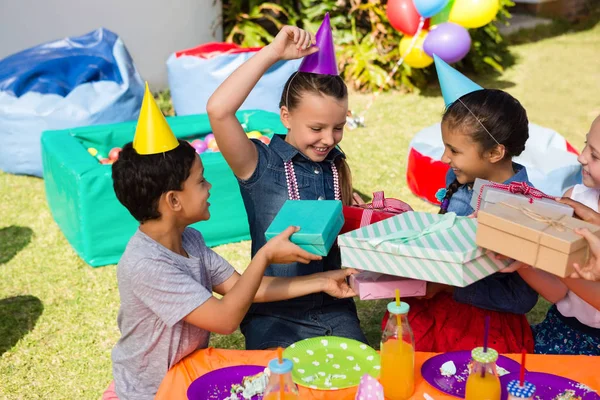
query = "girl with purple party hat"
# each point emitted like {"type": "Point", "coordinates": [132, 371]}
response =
{"type": "Point", "coordinates": [305, 164]}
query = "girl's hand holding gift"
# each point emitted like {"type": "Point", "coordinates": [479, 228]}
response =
{"type": "Point", "coordinates": [591, 271]}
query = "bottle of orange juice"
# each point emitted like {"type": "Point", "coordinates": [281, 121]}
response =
{"type": "Point", "coordinates": [281, 386]}
{"type": "Point", "coordinates": [397, 354]}
{"type": "Point", "coordinates": [483, 382]}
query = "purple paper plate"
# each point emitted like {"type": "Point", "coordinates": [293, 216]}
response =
{"type": "Point", "coordinates": [455, 385]}
{"type": "Point", "coordinates": [548, 386]}
{"type": "Point", "coordinates": [216, 385]}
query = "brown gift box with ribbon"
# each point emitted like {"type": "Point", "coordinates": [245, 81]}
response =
{"type": "Point", "coordinates": [534, 235]}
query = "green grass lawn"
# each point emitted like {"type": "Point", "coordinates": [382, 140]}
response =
{"type": "Point", "coordinates": [58, 315]}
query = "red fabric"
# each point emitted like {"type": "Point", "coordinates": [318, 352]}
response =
{"type": "Point", "coordinates": [571, 149]}
{"type": "Point", "coordinates": [441, 324]}
{"type": "Point", "coordinates": [210, 50]}
{"type": "Point", "coordinates": [425, 176]}
{"type": "Point", "coordinates": [109, 393]}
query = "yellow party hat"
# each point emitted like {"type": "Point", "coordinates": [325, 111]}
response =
{"type": "Point", "coordinates": [153, 134]}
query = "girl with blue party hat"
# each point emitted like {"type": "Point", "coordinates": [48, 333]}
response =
{"type": "Point", "coordinates": [482, 130]}
{"type": "Point", "coordinates": [305, 164]}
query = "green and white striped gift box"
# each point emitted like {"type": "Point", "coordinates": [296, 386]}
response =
{"type": "Point", "coordinates": [447, 255]}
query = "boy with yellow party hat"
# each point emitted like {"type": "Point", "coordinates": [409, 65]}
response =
{"type": "Point", "coordinates": [167, 275]}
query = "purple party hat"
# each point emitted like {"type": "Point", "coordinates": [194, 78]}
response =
{"type": "Point", "coordinates": [323, 61]}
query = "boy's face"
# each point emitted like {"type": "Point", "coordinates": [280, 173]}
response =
{"type": "Point", "coordinates": [590, 157]}
{"type": "Point", "coordinates": [194, 195]}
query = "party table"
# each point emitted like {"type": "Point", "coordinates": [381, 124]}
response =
{"type": "Point", "coordinates": [583, 369]}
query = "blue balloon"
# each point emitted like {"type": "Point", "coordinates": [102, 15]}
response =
{"type": "Point", "coordinates": [454, 85]}
{"type": "Point", "coordinates": [428, 8]}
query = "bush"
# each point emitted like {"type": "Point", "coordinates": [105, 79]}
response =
{"type": "Point", "coordinates": [367, 45]}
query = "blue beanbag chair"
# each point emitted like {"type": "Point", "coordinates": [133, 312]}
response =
{"type": "Point", "coordinates": [196, 73]}
{"type": "Point", "coordinates": [68, 83]}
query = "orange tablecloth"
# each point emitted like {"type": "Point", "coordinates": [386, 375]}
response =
{"type": "Point", "coordinates": [583, 369]}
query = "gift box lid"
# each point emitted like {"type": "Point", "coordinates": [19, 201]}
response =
{"type": "Point", "coordinates": [455, 242]}
{"type": "Point", "coordinates": [486, 192]}
{"type": "Point", "coordinates": [318, 220]}
{"type": "Point", "coordinates": [537, 224]}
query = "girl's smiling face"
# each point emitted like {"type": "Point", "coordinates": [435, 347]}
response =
{"type": "Point", "coordinates": [590, 157]}
{"type": "Point", "coordinates": [464, 156]}
{"type": "Point", "coordinates": [316, 124]}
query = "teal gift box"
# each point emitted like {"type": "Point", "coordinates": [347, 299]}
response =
{"type": "Point", "coordinates": [320, 222]}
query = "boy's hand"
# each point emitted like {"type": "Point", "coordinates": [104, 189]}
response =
{"type": "Point", "coordinates": [280, 250]}
{"type": "Point", "coordinates": [292, 42]}
{"type": "Point", "coordinates": [335, 283]}
{"type": "Point", "coordinates": [433, 288]}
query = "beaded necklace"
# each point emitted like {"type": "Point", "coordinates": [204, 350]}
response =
{"type": "Point", "coordinates": [292, 183]}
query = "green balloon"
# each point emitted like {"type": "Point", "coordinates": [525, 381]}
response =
{"type": "Point", "coordinates": [443, 15]}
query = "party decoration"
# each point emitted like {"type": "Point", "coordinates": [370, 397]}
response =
{"type": "Point", "coordinates": [114, 154]}
{"type": "Point", "coordinates": [254, 134]}
{"type": "Point", "coordinates": [199, 145]}
{"type": "Point", "coordinates": [429, 8]}
{"type": "Point", "coordinates": [212, 145]}
{"type": "Point", "coordinates": [443, 15]}
{"type": "Point", "coordinates": [323, 61]}
{"type": "Point", "coordinates": [152, 134]}
{"type": "Point", "coordinates": [453, 84]}
{"type": "Point", "coordinates": [415, 57]}
{"type": "Point", "coordinates": [449, 41]}
{"type": "Point", "coordinates": [474, 13]}
{"type": "Point", "coordinates": [403, 16]}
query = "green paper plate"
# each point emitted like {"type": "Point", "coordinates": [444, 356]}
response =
{"type": "Point", "coordinates": [331, 363]}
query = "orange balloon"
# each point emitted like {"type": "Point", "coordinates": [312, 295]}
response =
{"type": "Point", "coordinates": [212, 145]}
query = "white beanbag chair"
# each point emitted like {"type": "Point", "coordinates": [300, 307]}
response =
{"type": "Point", "coordinates": [550, 160]}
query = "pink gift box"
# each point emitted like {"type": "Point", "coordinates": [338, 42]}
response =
{"type": "Point", "coordinates": [372, 286]}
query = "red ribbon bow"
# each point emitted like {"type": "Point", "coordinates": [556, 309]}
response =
{"type": "Point", "coordinates": [380, 203]}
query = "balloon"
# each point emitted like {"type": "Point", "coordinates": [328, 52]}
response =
{"type": "Point", "coordinates": [428, 8]}
{"type": "Point", "coordinates": [403, 16]}
{"type": "Point", "coordinates": [443, 15]}
{"type": "Point", "coordinates": [474, 13]}
{"type": "Point", "coordinates": [417, 57]}
{"type": "Point", "coordinates": [448, 41]}
{"type": "Point", "coordinates": [114, 154]}
{"type": "Point", "coordinates": [254, 135]}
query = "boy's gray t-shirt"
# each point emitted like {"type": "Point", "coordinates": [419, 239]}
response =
{"type": "Point", "coordinates": [158, 288]}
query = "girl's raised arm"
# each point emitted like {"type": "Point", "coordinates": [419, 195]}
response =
{"type": "Point", "coordinates": [241, 155]}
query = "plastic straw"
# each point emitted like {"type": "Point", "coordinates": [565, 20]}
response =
{"type": "Point", "coordinates": [281, 385]}
{"type": "Point", "coordinates": [486, 334]}
{"type": "Point", "coordinates": [398, 322]}
{"type": "Point", "coordinates": [522, 381]}
{"type": "Point", "coordinates": [485, 341]}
